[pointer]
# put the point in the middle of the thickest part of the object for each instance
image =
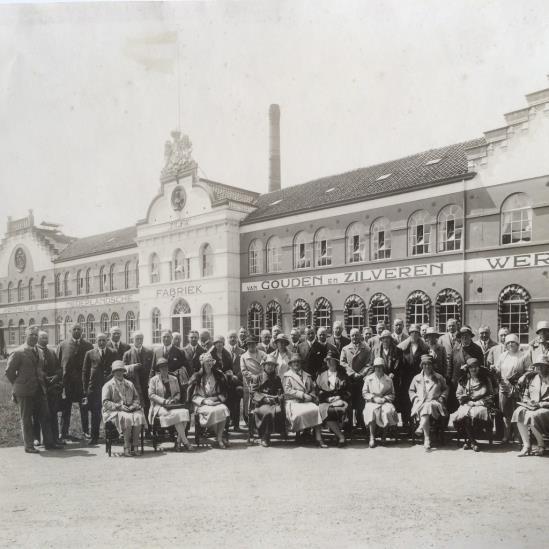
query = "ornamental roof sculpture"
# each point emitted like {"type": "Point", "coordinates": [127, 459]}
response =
{"type": "Point", "coordinates": [178, 158]}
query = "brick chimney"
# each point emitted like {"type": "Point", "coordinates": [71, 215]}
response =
{"type": "Point", "coordinates": [274, 148]}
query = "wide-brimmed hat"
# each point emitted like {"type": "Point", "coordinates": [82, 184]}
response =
{"type": "Point", "coordinates": [378, 361]}
{"type": "Point", "coordinates": [269, 359]}
{"type": "Point", "coordinates": [331, 356]}
{"type": "Point", "coordinates": [512, 338]}
{"type": "Point", "coordinates": [472, 362]}
{"type": "Point", "coordinates": [466, 329]}
{"type": "Point", "coordinates": [161, 362]}
{"type": "Point", "coordinates": [414, 328]}
{"type": "Point", "coordinates": [205, 357]}
{"type": "Point", "coordinates": [282, 337]}
{"type": "Point", "coordinates": [385, 333]}
{"type": "Point", "coordinates": [251, 340]}
{"type": "Point", "coordinates": [218, 338]}
{"type": "Point", "coordinates": [118, 365]}
{"type": "Point", "coordinates": [426, 359]}
{"type": "Point", "coordinates": [542, 360]}
{"type": "Point", "coordinates": [432, 331]}
{"type": "Point", "coordinates": [294, 357]}
{"type": "Point", "coordinates": [542, 325]}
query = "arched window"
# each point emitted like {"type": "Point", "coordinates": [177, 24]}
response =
{"type": "Point", "coordinates": [323, 248]}
{"type": "Point", "coordinates": [179, 270]}
{"type": "Point", "coordinates": [32, 321]}
{"type": "Point", "coordinates": [127, 282]}
{"type": "Point", "coordinates": [273, 316]}
{"type": "Point", "coordinates": [355, 243]}
{"type": "Point", "coordinates": [31, 289]}
{"type": "Point", "coordinates": [323, 313]}
{"type": "Point", "coordinates": [255, 257]}
{"type": "Point", "coordinates": [206, 260]}
{"type": "Point", "coordinates": [448, 304]}
{"type": "Point", "coordinates": [303, 251]}
{"type": "Point", "coordinates": [115, 319]}
{"type": "Point", "coordinates": [381, 239]}
{"type": "Point", "coordinates": [88, 281]}
{"type": "Point", "coordinates": [20, 291]}
{"type": "Point", "coordinates": [104, 323]}
{"type": "Point", "coordinates": [379, 310]}
{"type": "Point", "coordinates": [66, 284]}
{"type": "Point", "coordinates": [156, 326]}
{"type": "Point", "coordinates": [450, 228]}
{"type": "Point", "coordinates": [274, 255]}
{"type": "Point", "coordinates": [418, 308]}
{"type": "Point", "coordinates": [255, 319]}
{"type": "Point", "coordinates": [207, 318]}
{"type": "Point", "coordinates": [10, 292]}
{"type": "Point", "coordinates": [131, 326]}
{"type": "Point", "coordinates": [112, 277]}
{"type": "Point", "coordinates": [354, 313]}
{"type": "Point", "coordinates": [58, 288]}
{"type": "Point", "coordinates": [154, 268]}
{"type": "Point", "coordinates": [11, 333]}
{"type": "Point", "coordinates": [1, 293]}
{"type": "Point", "coordinates": [82, 321]}
{"type": "Point", "coordinates": [419, 233]}
{"type": "Point", "coordinates": [181, 308]}
{"type": "Point", "coordinates": [301, 314]}
{"type": "Point", "coordinates": [21, 332]}
{"type": "Point", "coordinates": [514, 311]}
{"type": "Point", "coordinates": [43, 288]}
{"type": "Point", "coordinates": [79, 283]}
{"type": "Point", "coordinates": [90, 328]}
{"type": "Point", "coordinates": [58, 329]}
{"type": "Point", "coordinates": [516, 219]}
{"type": "Point", "coordinates": [137, 274]}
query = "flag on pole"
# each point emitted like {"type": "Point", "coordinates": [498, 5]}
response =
{"type": "Point", "coordinates": [156, 52]}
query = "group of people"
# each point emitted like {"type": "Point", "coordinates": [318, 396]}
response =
{"type": "Point", "coordinates": [276, 383]}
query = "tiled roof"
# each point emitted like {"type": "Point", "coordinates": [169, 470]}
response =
{"type": "Point", "coordinates": [100, 244]}
{"type": "Point", "coordinates": [55, 240]}
{"type": "Point", "coordinates": [415, 171]}
{"type": "Point", "coordinates": [224, 192]}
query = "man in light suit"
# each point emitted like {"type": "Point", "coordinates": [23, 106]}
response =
{"type": "Point", "coordinates": [242, 337]}
{"type": "Point", "coordinates": [399, 335]}
{"type": "Point", "coordinates": [265, 343]}
{"type": "Point", "coordinates": [236, 390]}
{"type": "Point", "coordinates": [338, 340]}
{"type": "Point", "coordinates": [25, 372]}
{"type": "Point", "coordinates": [495, 351]}
{"type": "Point", "coordinates": [119, 347]}
{"type": "Point", "coordinates": [192, 352]}
{"type": "Point", "coordinates": [450, 339]}
{"type": "Point", "coordinates": [206, 340]}
{"type": "Point", "coordinates": [71, 353]}
{"type": "Point", "coordinates": [175, 357]}
{"type": "Point", "coordinates": [96, 370]}
{"type": "Point", "coordinates": [295, 338]}
{"type": "Point", "coordinates": [485, 342]}
{"type": "Point", "coordinates": [138, 360]}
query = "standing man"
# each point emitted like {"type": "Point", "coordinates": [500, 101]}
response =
{"type": "Point", "coordinates": [265, 343]}
{"type": "Point", "coordinates": [276, 330]}
{"type": "Point", "coordinates": [119, 347]}
{"type": "Point", "coordinates": [25, 372]}
{"type": "Point", "coordinates": [141, 358]}
{"type": "Point", "coordinates": [205, 340]}
{"type": "Point", "coordinates": [96, 369]}
{"type": "Point", "coordinates": [540, 345]}
{"type": "Point", "coordinates": [450, 339]}
{"type": "Point", "coordinates": [176, 340]}
{"type": "Point", "coordinates": [485, 342]}
{"type": "Point", "coordinates": [295, 337]}
{"type": "Point", "coordinates": [177, 363]}
{"type": "Point", "coordinates": [375, 340]}
{"type": "Point", "coordinates": [304, 348]}
{"type": "Point", "coordinates": [317, 354]}
{"type": "Point", "coordinates": [423, 330]}
{"type": "Point", "coordinates": [71, 353]}
{"type": "Point", "coordinates": [338, 340]}
{"type": "Point", "coordinates": [495, 352]}
{"type": "Point", "coordinates": [236, 389]}
{"type": "Point", "coordinates": [399, 335]}
{"type": "Point", "coordinates": [54, 387]}
{"type": "Point", "coordinates": [192, 352]}
{"type": "Point", "coordinates": [242, 336]}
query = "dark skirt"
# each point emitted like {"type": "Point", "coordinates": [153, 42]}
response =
{"type": "Point", "coordinates": [268, 419]}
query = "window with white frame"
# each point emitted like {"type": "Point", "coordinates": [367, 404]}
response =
{"type": "Point", "coordinates": [379, 310]}
{"type": "Point", "coordinates": [301, 314]}
{"type": "Point", "coordinates": [255, 257]}
{"type": "Point", "coordinates": [450, 228]}
{"type": "Point", "coordinates": [381, 239]}
{"type": "Point", "coordinates": [127, 271]}
{"type": "Point", "coordinates": [10, 292]}
{"type": "Point", "coordinates": [43, 288]}
{"type": "Point", "coordinates": [20, 291]}
{"type": "Point", "coordinates": [448, 305]}
{"type": "Point", "coordinates": [206, 260]}
{"type": "Point", "coordinates": [323, 249]}
{"type": "Point", "coordinates": [112, 277]}
{"type": "Point", "coordinates": [323, 313]}
{"type": "Point", "coordinates": [302, 251]}
{"type": "Point", "coordinates": [88, 281]}
{"type": "Point", "coordinates": [11, 333]}
{"type": "Point", "coordinates": [131, 326]}
{"type": "Point", "coordinates": [355, 241]}
{"type": "Point", "coordinates": [516, 219]}
{"type": "Point", "coordinates": [273, 315]}
{"type": "Point", "coordinates": [513, 311]}
{"type": "Point", "coordinates": [31, 289]}
{"type": "Point", "coordinates": [156, 326]}
{"type": "Point", "coordinates": [79, 283]}
{"type": "Point", "coordinates": [255, 319]}
{"type": "Point", "coordinates": [418, 308]}
{"type": "Point", "coordinates": [21, 332]}
{"type": "Point", "coordinates": [154, 268]}
{"type": "Point", "coordinates": [274, 255]}
{"type": "Point", "coordinates": [419, 233]}
{"type": "Point", "coordinates": [90, 328]}
{"type": "Point", "coordinates": [354, 313]}
{"type": "Point", "coordinates": [104, 323]}
{"type": "Point", "coordinates": [179, 266]}
{"type": "Point", "coordinates": [207, 318]}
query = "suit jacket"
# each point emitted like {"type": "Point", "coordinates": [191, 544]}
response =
{"type": "Point", "coordinates": [393, 360]}
{"type": "Point", "coordinates": [294, 347]}
{"type": "Point", "coordinates": [224, 362]}
{"type": "Point", "coordinates": [356, 362]}
{"type": "Point", "coordinates": [400, 338]}
{"type": "Point", "coordinates": [144, 356]}
{"type": "Point", "coordinates": [25, 371]}
{"type": "Point", "coordinates": [493, 354]}
{"type": "Point", "coordinates": [304, 349]}
{"type": "Point", "coordinates": [317, 354]}
{"type": "Point", "coordinates": [459, 357]}
{"type": "Point", "coordinates": [71, 356]}
{"type": "Point", "coordinates": [411, 361]}
{"type": "Point", "coordinates": [235, 359]}
{"type": "Point", "coordinates": [441, 363]}
{"type": "Point", "coordinates": [122, 348]}
{"type": "Point", "coordinates": [295, 386]}
{"type": "Point", "coordinates": [53, 373]}
{"type": "Point", "coordinates": [176, 360]}
{"type": "Point", "coordinates": [339, 344]}
{"type": "Point", "coordinates": [193, 357]}
{"type": "Point", "coordinates": [447, 343]}
{"type": "Point", "coordinates": [267, 349]}
{"type": "Point", "coordinates": [96, 370]}
{"type": "Point", "coordinates": [485, 348]}
{"type": "Point", "coordinates": [157, 393]}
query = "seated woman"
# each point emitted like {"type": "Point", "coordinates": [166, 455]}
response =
{"type": "Point", "coordinates": [379, 394]}
{"type": "Point", "coordinates": [510, 366]}
{"type": "Point", "coordinates": [121, 405]}
{"type": "Point", "coordinates": [208, 392]}
{"type": "Point", "coordinates": [333, 395]}
{"type": "Point", "coordinates": [533, 409]}
{"type": "Point", "coordinates": [301, 402]}
{"type": "Point", "coordinates": [163, 394]}
{"type": "Point", "coordinates": [428, 393]}
{"type": "Point", "coordinates": [268, 413]}
{"type": "Point", "coordinates": [475, 396]}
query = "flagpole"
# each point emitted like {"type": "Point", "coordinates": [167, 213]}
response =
{"type": "Point", "coordinates": [178, 87]}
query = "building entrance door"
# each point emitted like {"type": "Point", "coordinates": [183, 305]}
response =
{"type": "Point", "coordinates": [181, 320]}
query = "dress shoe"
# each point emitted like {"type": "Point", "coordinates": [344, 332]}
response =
{"type": "Point", "coordinates": [86, 436]}
{"type": "Point", "coordinates": [264, 443]}
{"type": "Point", "coordinates": [61, 441]}
{"type": "Point", "coordinates": [93, 442]}
{"type": "Point", "coordinates": [321, 444]}
{"type": "Point", "coordinates": [54, 447]}
{"type": "Point", "coordinates": [31, 450]}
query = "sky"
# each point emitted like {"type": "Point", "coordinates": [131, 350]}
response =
{"type": "Point", "coordinates": [89, 93]}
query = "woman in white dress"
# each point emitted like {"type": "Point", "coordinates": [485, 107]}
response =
{"type": "Point", "coordinates": [510, 366]}
{"type": "Point", "coordinates": [122, 406]}
{"type": "Point", "coordinates": [301, 401]}
{"type": "Point", "coordinates": [164, 395]}
{"type": "Point", "coordinates": [379, 393]}
{"type": "Point", "coordinates": [532, 412]}
{"type": "Point", "coordinates": [428, 393]}
{"type": "Point", "coordinates": [208, 390]}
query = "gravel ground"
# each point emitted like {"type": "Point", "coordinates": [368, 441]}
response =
{"type": "Point", "coordinates": [285, 496]}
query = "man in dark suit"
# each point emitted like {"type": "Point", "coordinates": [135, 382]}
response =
{"type": "Point", "coordinates": [206, 340]}
{"type": "Point", "coordinates": [177, 362]}
{"type": "Point", "coordinates": [71, 353]}
{"type": "Point", "coordinates": [295, 340]}
{"type": "Point", "coordinates": [119, 347]}
{"type": "Point", "coordinates": [138, 360]}
{"type": "Point", "coordinates": [265, 343]}
{"type": "Point", "coordinates": [242, 337]}
{"type": "Point", "coordinates": [192, 352]}
{"type": "Point", "coordinates": [304, 348]}
{"type": "Point", "coordinates": [317, 353]}
{"type": "Point", "coordinates": [338, 340]}
{"type": "Point", "coordinates": [54, 387]}
{"type": "Point", "coordinates": [96, 370]}
{"type": "Point", "coordinates": [25, 372]}
{"type": "Point", "coordinates": [485, 342]}
{"type": "Point", "coordinates": [236, 389]}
